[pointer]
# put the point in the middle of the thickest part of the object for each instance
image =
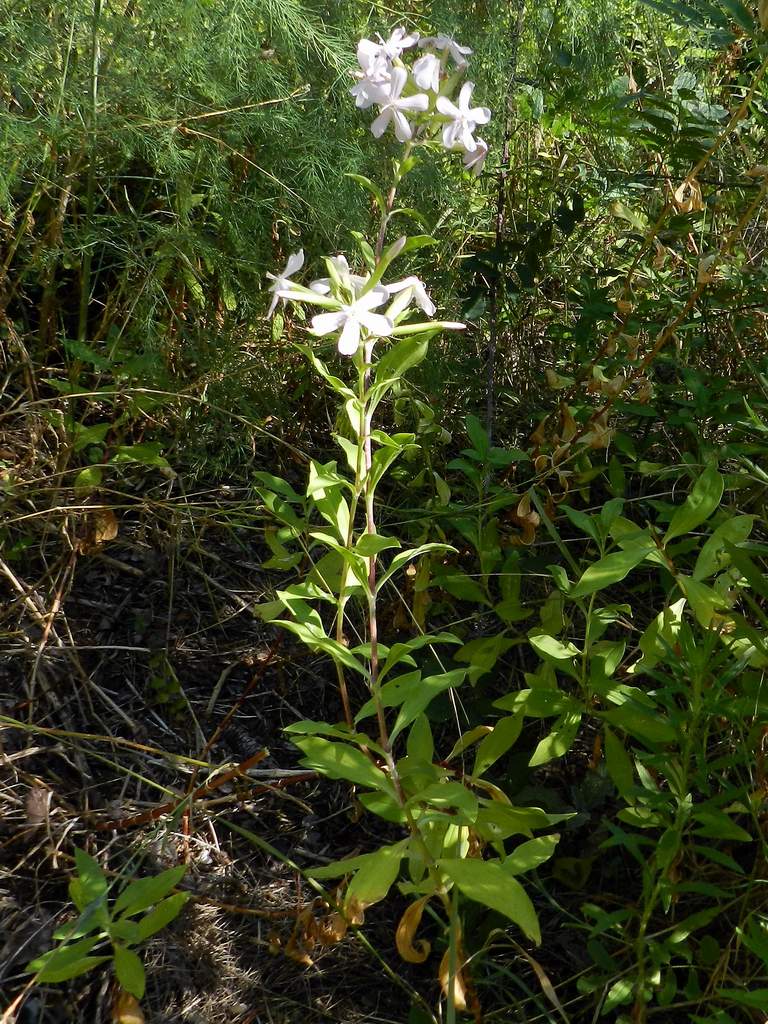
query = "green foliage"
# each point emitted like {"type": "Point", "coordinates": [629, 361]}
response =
{"type": "Point", "coordinates": [143, 907]}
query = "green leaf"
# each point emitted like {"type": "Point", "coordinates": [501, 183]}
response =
{"type": "Point", "coordinates": [713, 556]}
{"type": "Point", "coordinates": [145, 892]}
{"type": "Point", "coordinates": [699, 505]}
{"type": "Point", "coordinates": [453, 797]}
{"type": "Point", "coordinates": [618, 994]}
{"type": "Point", "coordinates": [618, 763]}
{"type": "Point", "coordinates": [529, 855]}
{"type": "Point", "coordinates": [488, 883]}
{"type": "Point", "coordinates": [551, 648]}
{"type": "Point", "coordinates": [497, 743]}
{"type": "Point", "coordinates": [374, 543]}
{"type": "Point", "coordinates": [340, 761]}
{"type": "Point", "coordinates": [419, 697]}
{"type": "Point", "coordinates": [613, 568]}
{"type": "Point", "coordinates": [146, 454]}
{"type": "Point", "coordinates": [403, 356]}
{"type": "Point", "coordinates": [351, 864]}
{"type": "Point", "coordinates": [757, 998]}
{"type": "Point", "coordinates": [130, 971]}
{"type": "Point", "coordinates": [93, 882]}
{"type": "Point", "coordinates": [420, 744]}
{"type": "Point", "coordinates": [559, 741]}
{"type": "Point", "coordinates": [369, 186]}
{"type": "Point", "coordinates": [376, 876]}
{"type": "Point", "coordinates": [65, 962]}
{"type": "Point", "coordinates": [88, 480]}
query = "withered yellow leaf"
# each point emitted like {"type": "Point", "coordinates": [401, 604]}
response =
{"type": "Point", "coordinates": [412, 953]}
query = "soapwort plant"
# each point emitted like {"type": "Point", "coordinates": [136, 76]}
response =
{"type": "Point", "coordinates": [457, 825]}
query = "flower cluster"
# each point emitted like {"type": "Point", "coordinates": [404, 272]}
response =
{"type": "Point", "coordinates": [350, 300]}
{"type": "Point", "coordinates": [418, 98]}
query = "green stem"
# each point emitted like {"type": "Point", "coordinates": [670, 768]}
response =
{"type": "Point", "coordinates": [90, 188]}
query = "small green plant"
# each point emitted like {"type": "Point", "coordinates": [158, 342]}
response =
{"type": "Point", "coordinates": [108, 930]}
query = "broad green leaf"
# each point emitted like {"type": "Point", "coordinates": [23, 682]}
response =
{"type": "Point", "coordinates": [583, 522]}
{"type": "Point", "coordinates": [713, 556]}
{"type": "Point", "coordinates": [618, 994]}
{"type": "Point", "coordinates": [352, 864]}
{"type": "Point", "coordinates": [618, 763]}
{"type": "Point", "coordinates": [551, 647]}
{"type": "Point", "coordinates": [420, 744]}
{"type": "Point", "coordinates": [488, 883]}
{"type": "Point", "coordinates": [340, 761]}
{"type": "Point", "coordinates": [613, 568]}
{"type": "Point", "coordinates": [146, 454]}
{"type": "Point", "coordinates": [93, 882]}
{"type": "Point", "coordinates": [419, 698]}
{"type": "Point", "coordinates": [497, 821]}
{"type": "Point", "coordinates": [539, 703]}
{"type": "Point", "coordinates": [88, 480]}
{"type": "Point", "coordinates": [640, 723]}
{"type": "Point", "coordinates": [371, 187]}
{"type": "Point", "coordinates": [559, 741]}
{"type": "Point", "coordinates": [403, 356]}
{"type": "Point", "coordinates": [756, 998]}
{"type": "Point", "coordinates": [452, 797]}
{"type": "Point", "coordinates": [374, 543]}
{"type": "Point", "coordinates": [529, 855]}
{"type": "Point", "coordinates": [716, 824]}
{"type": "Point", "coordinates": [705, 602]}
{"type": "Point", "coordinates": [699, 505]}
{"type": "Point", "coordinates": [497, 743]}
{"type": "Point", "coordinates": [376, 876]}
{"type": "Point", "coordinates": [68, 961]}
{"type": "Point", "coordinates": [145, 892]}
{"type": "Point", "coordinates": [130, 971]}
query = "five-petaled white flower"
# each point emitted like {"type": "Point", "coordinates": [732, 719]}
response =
{"type": "Point", "coordinates": [410, 289]}
{"type": "Point", "coordinates": [392, 104]}
{"type": "Point", "coordinates": [474, 159]}
{"type": "Point", "coordinates": [464, 119]}
{"type": "Point", "coordinates": [426, 72]}
{"type": "Point", "coordinates": [352, 317]}
{"type": "Point", "coordinates": [282, 281]}
{"type": "Point", "coordinates": [446, 44]}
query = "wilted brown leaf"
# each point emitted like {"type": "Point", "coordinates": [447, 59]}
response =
{"type": "Point", "coordinates": [126, 1009]}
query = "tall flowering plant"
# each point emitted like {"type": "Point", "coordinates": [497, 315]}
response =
{"type": "Point", "coordinates": [457, 826]}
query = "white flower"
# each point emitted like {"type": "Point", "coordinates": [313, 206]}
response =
{"type": "Point", "coordinates": [464, 119]}
{"type": "Point", "coordinates": [474, 159]}
{"type": "Point", "coordinates": [392, 104]}
{"type": "Point", "coordinates": [352, 317]}
{"type": "Point", "coordinates": [409, 289]}
{"type": "Point", "coordinates": [426, 72]}
{"type": "Point", "coordinates": [282, 281]}
{"type": "Point", "coordinates": [446, 44]}
{"type": "Point", "coordinates": [376, 58]}
{"type": "Point", "coordinates": [368, 91]}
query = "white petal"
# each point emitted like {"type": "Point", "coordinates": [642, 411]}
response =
{"type": "Point", "coordinates": [375, 297]}
{"type": "Point", "coordinates": [295, 262]}
{"type": "Point", "coordinates": [322, 286]}
{"type": "Point", "coordinates": [367, 52]}
{"type": "Point", "coordinates": [397, 84]}
{"type": "Point", "coordinates": [377, 324]}
{"type": "Point", "coordinates": [418, 102]}
{"type": "Point", "coordinates": [465, 95]}
{"type": "Point", "coordinates": [467, 139]}
{"type": "Point", "coordinates": [480, 115]}
{"type": "Point", "coordinates": [349, 339]}
{"type": "Point", "coordinates": [449, 135]}
{"type": "Point", "coordinates": [402, 128]}
{"type": "Point", "coordinates": [445, 106]}
{"type": "Point", "coordinates": [379, 126]}
{"type": "Point", "coordinates": [326, 323]}
{"type": "Point", "coordinates": [272, 305]}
